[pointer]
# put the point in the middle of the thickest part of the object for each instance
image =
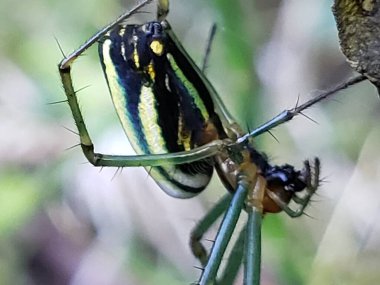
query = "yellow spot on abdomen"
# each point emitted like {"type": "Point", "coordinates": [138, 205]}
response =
{"type": "Point", "coordinates": [136, 58]}
{"type": "Point", "coordinates": [157, 47]}
{"type": "Point", "coordinates": [151, 71]}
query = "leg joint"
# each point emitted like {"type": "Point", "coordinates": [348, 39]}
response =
{"type": "Point", "coordinates": [92, 157]}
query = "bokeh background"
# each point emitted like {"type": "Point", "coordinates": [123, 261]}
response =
{"type": "Point", "coordinates": [63, 221]}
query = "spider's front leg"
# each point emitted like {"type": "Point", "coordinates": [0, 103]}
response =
{"type": "Point", "coordinates": [64, 68]}
{"type": "Point", "coordinates": [99, 159]}
{"type": "Point", "coordinates": [86, 143]}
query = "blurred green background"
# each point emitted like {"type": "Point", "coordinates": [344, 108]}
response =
{"type": "Point", "coordinates": [63, 221]}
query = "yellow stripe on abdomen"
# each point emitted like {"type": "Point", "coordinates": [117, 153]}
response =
{"type": "Point", "coordinates": [118, 96]}
{"type": "Point", "coordinates": [149, 120]}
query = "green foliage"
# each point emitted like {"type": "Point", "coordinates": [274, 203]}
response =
{"type": "Point", "coordinates": [289, 47]}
